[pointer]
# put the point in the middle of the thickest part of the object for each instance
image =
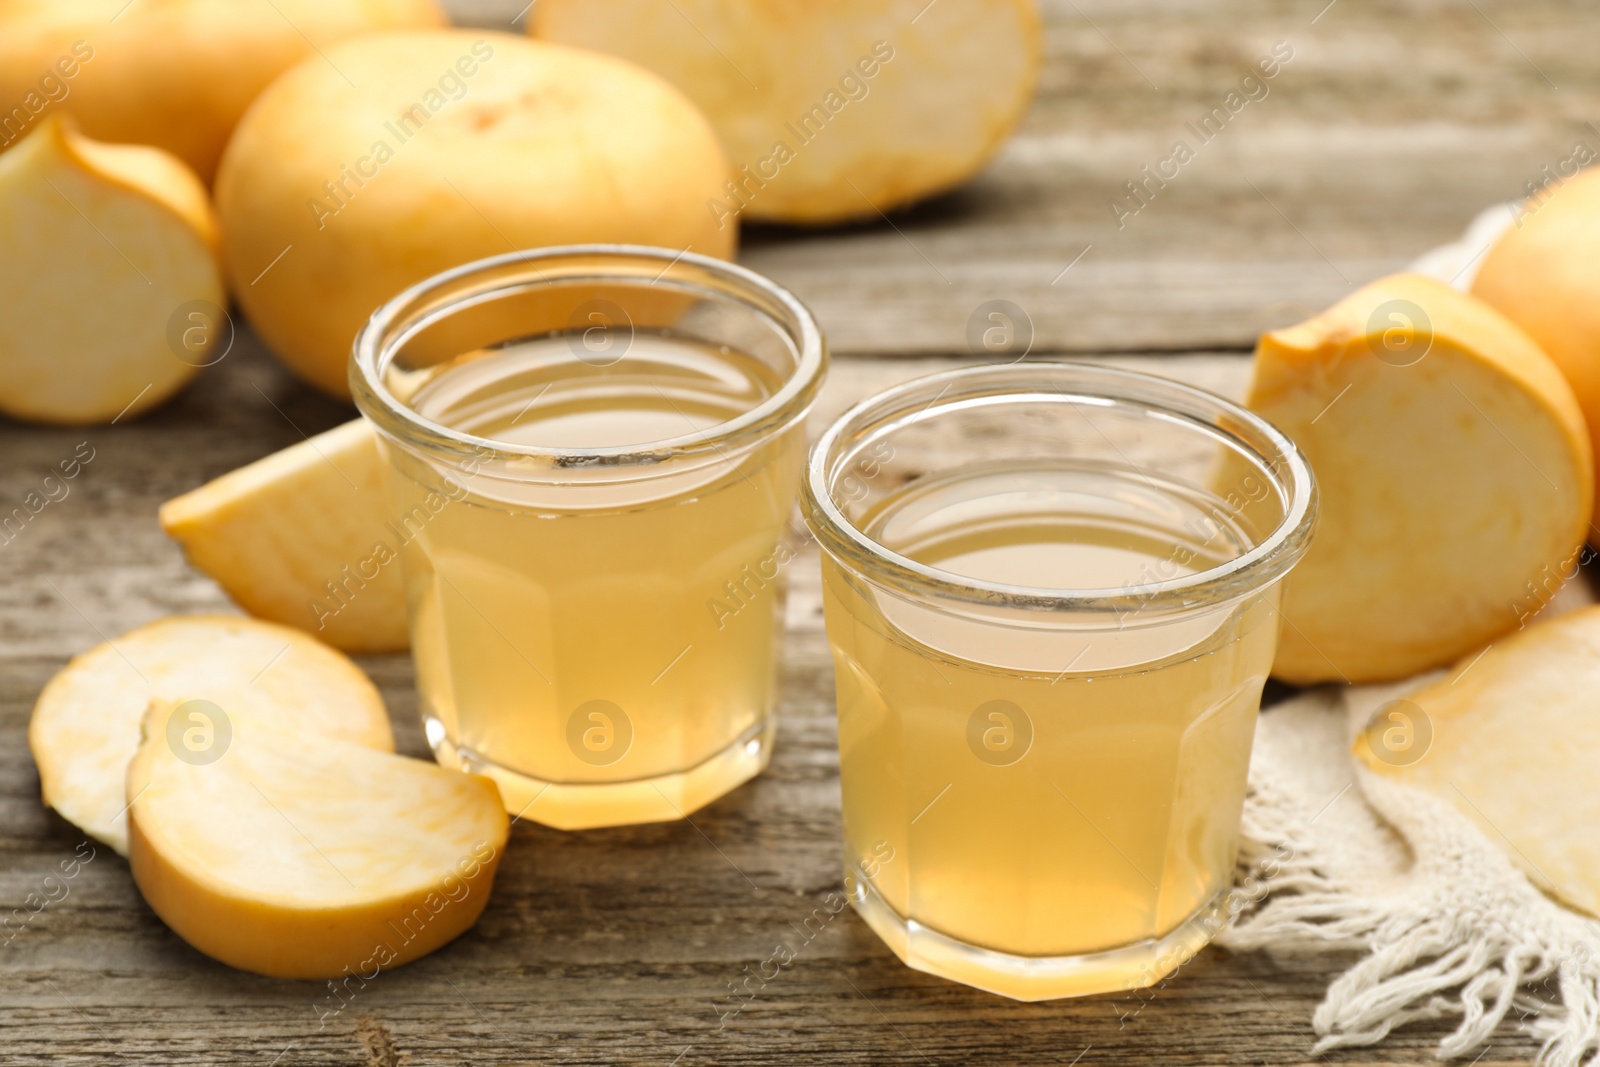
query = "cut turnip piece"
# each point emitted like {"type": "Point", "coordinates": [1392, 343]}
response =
{"type": "Point", "coordinates": [303, 537]}
{"type": "Point", "coordinates": [294, 855]}
{"type": "Point", "coordinates": [110, 266]}
{"type": "Point", "coordinates": [1453, 467]}
{"type": "Point", "coordinates": [85, 726]}
{"type": "Point", "coordinates": [1512, 740]}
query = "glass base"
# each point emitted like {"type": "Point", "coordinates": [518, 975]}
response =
{"type": "Point", "coordinates": [586, 805]}
{"type": "Point", "coordinates": [1134, 966]}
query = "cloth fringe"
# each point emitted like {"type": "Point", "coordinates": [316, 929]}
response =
{"type": "Point", "coordinates": [1453, 930]}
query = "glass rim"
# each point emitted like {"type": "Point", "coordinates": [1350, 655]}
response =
{"type": "Point", "coordinates": [389, 328]}
{"type": "Point", "coordinates": [1256, 568]}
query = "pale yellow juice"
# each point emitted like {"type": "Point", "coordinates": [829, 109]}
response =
{"type": "Point", "coordinates": [600, 640]}
{"type": "Point", "coordinates": [1045, 791]}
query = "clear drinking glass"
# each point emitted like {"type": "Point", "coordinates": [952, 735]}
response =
{"type": "Point", "coordinates": [1051, 594]}
{"type": "Point", "coordinates": [593, 458]}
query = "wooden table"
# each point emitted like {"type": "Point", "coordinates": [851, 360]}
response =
{"type": "Point", "coordinates": [1391, 126]}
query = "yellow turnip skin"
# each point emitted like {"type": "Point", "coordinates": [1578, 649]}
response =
{"type": "Point", "coordinates": [176, 74]}
{"type": "Point", "coordinates": [1541, 275]}
{"type": "Point", "coordinates": [831, 110]}
{"type": "Point", "coordinates": [1453, 472]}
{"type": "Point", "coordinates": [400, 155]}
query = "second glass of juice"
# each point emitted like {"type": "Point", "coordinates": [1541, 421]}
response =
{"type": "Point", "coordinates": [593, 459]}
{"type": "Point", "coordinates": [1051, 596]}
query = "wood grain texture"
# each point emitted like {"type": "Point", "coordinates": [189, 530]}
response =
{"type": "Point", "coordinates": [1393, 124]}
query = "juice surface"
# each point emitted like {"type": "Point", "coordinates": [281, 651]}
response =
{"type": "Point", "coordinates": [568, 635]}
{"type": "Point", "coordinates": [1046, 791]}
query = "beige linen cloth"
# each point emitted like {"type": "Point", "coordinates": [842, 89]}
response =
{"type": "Point", "coordinates": [1335, 857]}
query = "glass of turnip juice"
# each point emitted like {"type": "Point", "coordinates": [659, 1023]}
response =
{"type": "Point", "coordinates": [1051, 595]}
{"type": "Point", "coordinates": [593, 460]}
